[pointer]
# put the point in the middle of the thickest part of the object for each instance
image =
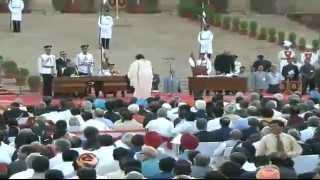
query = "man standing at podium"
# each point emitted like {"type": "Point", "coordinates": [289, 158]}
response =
{"type": "Point", "coordinates": [47, 69]}
{"type": "Point", "coordinates": [203, 63]}
{"type": "Point", "coordinates": [141, 76]}
{"type": "Point", "coordinates": [85, 61]}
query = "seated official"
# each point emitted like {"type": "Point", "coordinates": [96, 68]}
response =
{"type": "Point", "coordinates": [224, 63]}
{"type": "Point", "coordinates": [201, 66]}
{"type": "Point", "coordinates": [70, 69]}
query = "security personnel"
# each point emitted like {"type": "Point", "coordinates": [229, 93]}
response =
{"type": "Point", "coordinates": [16, 7]}
{"type": "Point", "coordinates": [85, 61]}
{"type": "Point", "coordinates": [47, 69]}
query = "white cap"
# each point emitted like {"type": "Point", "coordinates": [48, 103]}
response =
{"type": "Point", "coordinates": [166, 106]}
{"type": "Point", "coordinates": [200, 104]}
{"type": "Point", "coordinates": [309, 46]}
{"type": "Point", "coordinates": [181, 104]}
{"type": "Point", "coordinates": [134, 108]}
{"type": "Point", "coordinates": [287, 43]}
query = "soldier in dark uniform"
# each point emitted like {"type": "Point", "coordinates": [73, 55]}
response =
{"type": "Point", "coordinates": [224, 63]}
{"type": "Point", "coordinates": [290, 71]}
{"type": "Point", "coordinates": [261, 61]}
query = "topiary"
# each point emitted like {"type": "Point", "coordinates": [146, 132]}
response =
{"type": "Point", "coordinates": [235, 24]}
{"type": "Point", "coordinates": [217, 20]}
{"type": "Point", "coordinates": [302, 44]}
{"type": "Point", "coordinates": [281, 37]}
{"type": "Point", "coordinates": [10, 69]}
{"type": "Point", "coordinates": [293, 38]}
{"type": "Point", "coordinates": [226, 24]}
{"type": "Point", "coordinates": [262, 34]}
{"type": "Point", "coordinates": [21, 76]}
{"type": "Point", "coordinates": [59, 5]}
{"type": "Point", "coordinates": [34, 83]}
{"type": "Point", "coordinates": [272, 34]}
{"type": "Point", "coordinates": [316, 44]}
{"type": "Point", "coordinates": [244, 27]}
{"type": "Point", "coordinates": [253, 28]}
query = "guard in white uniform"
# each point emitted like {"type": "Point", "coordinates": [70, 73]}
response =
{"type": "Point", "coordinates": [205, 39]}
{"type": "Point", "coordinates": [286, 54]}
{"type": "Point", "coordinates": [309, 55]}
{"type": "Point", "coordinates": [203, 61]}
{"type": "Point", "coordinates": [47, 69]}
{"type": "Point", "coordinates": [105, 23]}
{"type": "Point", "coordinates": [85, 61]}
{"type": "Point", "coordinates": [16, 7]}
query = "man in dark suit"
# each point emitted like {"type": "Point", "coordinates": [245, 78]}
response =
{"type": "Point", "coordinates": [14, 113]}
{"type": "Point", "coordinates": [261, 61]}
{"type": "Point", "coordinates": [224, 63]}
{"type": "Point", "coordinates": [61, 63]}
{"type": "Point", "coordinates": [223, 133]}
{"type": "Point", "coordinates": [203, 135]}
{"type": "Point", "coordinates": [290, 71]}
{"type": "Point", "coordinates": [254, 128]}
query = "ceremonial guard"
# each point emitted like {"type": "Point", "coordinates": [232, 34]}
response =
{"type": "Point", "coordinates": [286, 54]}
{"type": "Point", "coordinates": [201, 66]}
{"type": "Point", "coordinates": [85, 61]}
{"type": "Point", "coordinates": [205, 38]}
{"type": "Point", "coordinates": [16, 7]}
{"type": "Point", "coordinates": [47, 69]}
{"type": "Point", "coordinates": [105, 23]}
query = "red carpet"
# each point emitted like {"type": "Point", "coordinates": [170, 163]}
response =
{"type": "Point", "coordinates": [5, 100]}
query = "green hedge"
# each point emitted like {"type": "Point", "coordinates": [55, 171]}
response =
{"type": "Point", "coordinates": [244, 27]}
{"type": "Point", "coordinates": [272, 34]}
{"type": "Point", "coordinates": [226, 22]}
{"type": "Point", "coordinates": [293, 38]}
{"type": "Point", "coordinates": [235, 24]}
{"type": "Point", "coordinates": [253, 26]}
{"type": "Point", "coordinates": [263, 34]}
{"type": "Point", "coordinates": [281, 37]}
{"type": "Point", "coordinates": [302, 43]}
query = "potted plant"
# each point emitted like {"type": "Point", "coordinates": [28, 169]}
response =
{"type": "Point", "coordinates": [244, 28]}
{"type": "Point", "coordinates": [281, 37]}
{"type": "Point", "coordinates": [185, 8]}
{"type": "Point", "coordinates": [142, 6]}
{"type": "Point", "coordinates": [235, 24]}
{"type": "Point", "coordinates": [226, 24]}
{"type": "Point", "coordinates": [262, 34]}
{"type": "Point", "coordinates": [272, 35]}
{"type": "Point", "coordinates": [253, 28]}
{"type": "Point", "coordinates": [34, 83]}
{"type": "Point", "coordinates": [302, 44]}
{"type": "Point", "coordinates": [10, 69]}
{"type": "Point", "coordinates": [21, 76]}
{"type": "Point", "coordinates": [316, 44]}
{"type": "Point", "coordinates": [293, 39]}
{"type": "Point", "coordinates": [59, 5]}
{"type": "Point", "coordinates": [217, 20]}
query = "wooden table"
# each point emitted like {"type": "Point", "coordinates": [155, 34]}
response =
{"type": "Point", "coordinates": [217, 83]}
{"type": "Point", "coordinates": [81, 85]}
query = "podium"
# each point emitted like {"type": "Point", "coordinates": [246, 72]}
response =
{"type": "Point", "coordinates": [199, 70]}
{"type": "Point", "coordinates": [291, 86]}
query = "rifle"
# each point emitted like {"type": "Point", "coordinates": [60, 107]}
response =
{"type": "Point", "coordinates": [10, 22]}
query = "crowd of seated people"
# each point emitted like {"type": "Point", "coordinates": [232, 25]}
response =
{"type": "Point", "coordinates": [252, 137]}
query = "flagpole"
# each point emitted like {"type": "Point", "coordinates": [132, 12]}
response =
{"type": "Point", "coordinates": [117, 9]}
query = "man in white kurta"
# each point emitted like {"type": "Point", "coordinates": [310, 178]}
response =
{"type": "Point", "coordinates": [85, 61]}
{"type": "Point", "coordinates": [203, 61]}
{"type": "Point", "coordinates": [47, 69]}
{"type": "Point", "coordinates": [205, 38]}
{"type": "Point", "coordinates": [105, 23]}
{"type": "Point", "coordinates": [285, 54]}
{"type": "Point", "coordinates": [309, 55]}
{"type": "Point", "coordinates": [16, 7]}
{"type": "Point", "coordinates": [141, 76]}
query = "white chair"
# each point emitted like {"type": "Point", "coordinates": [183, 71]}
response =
{"type": "Point", "coordinates": [306, 163]}
{"type": "Point", "coordinates": [207, 148]}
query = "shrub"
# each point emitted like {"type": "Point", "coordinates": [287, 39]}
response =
{"type": "Point", "coordinates": [316, 44]}
{"type": "Point", "coordinates": [235, 24]}
{"type": "Point", "coordinates": [293, 38]}
{"type": "Point", "coordinates": [272, 34]}
{"type": "Point", "coordinates": [302, 43]}
{"type": "Point", "coordinates": [263, 34]}
{"type": "Point", "coordinates": [21, 76]}
{"type": "Point", "coordinates": [59, 5]}
{"type": "Point", "coordinates": [34, 83]}
{"type": "Point", "coordinates": [244, 27]}
{"type": "Point", "coordinates": [281, 37]}
{"type": "Point", "coordinates": [226, 24]}
{"type": "Point", "coordinates": [217, 20]}
{"type": "Point", "coordinates": [196, 11]}
{"type": "Point", "coordinates": [253, 28]}
{"type": "Point", "coordinates": [10, 68]}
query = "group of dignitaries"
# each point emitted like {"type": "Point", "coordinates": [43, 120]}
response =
{"type": "Point", "coordinates": [292, 69]}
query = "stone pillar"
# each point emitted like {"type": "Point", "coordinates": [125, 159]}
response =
{"type": "Point", "coordinates": [239, 6]}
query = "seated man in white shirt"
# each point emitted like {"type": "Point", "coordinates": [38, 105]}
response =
{"type": "Point", "coordinates": [313, 123]}
{"type": "Point", "coordinates": [60, 145]}
{"type": "Point", "coordinates": [161, 125]}
{"type": "Point", "coordinates": [6, 151]}
{"type": "Point", "coordinates": [99, 121]}
{"type": "Point", "coordinates": [66, 166]}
